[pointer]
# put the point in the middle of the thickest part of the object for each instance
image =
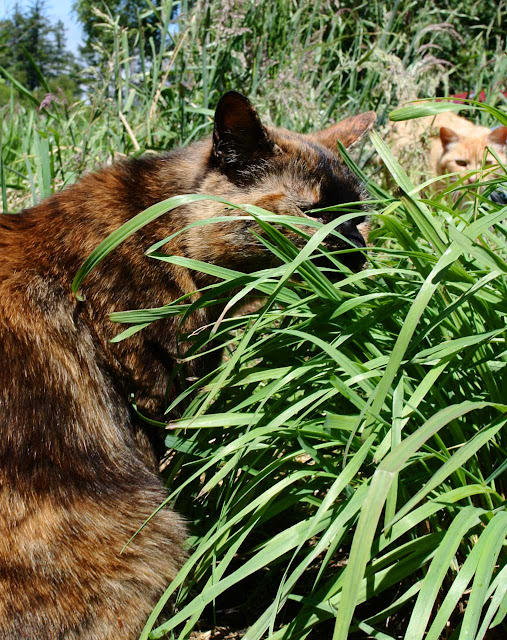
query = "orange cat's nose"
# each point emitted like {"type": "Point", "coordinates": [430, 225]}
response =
{"type": "Point", "coordinates": [472, 178]}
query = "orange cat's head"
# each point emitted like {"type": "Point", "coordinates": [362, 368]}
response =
{"type": "Point", "coordinates": [463, 153]}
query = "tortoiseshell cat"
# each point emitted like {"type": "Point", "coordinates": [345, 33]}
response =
{"type": "Point", "coordinates": [77, 473]}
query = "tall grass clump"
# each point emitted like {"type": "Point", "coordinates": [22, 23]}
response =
{"type": "Point", "coordinates": [343, 470]}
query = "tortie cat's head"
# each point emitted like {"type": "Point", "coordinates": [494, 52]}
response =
{"type": "Point", "coordinates": [283, 172]}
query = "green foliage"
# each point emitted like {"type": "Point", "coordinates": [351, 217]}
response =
{"type": "Point", "coordinates": [34, 52]}
{"type": "Point", "coordinates": [343, 470]}
{"type": "Point", "coordinates": [130, 15]}
{"type": "Point", "coordinates": [460, 35]}
{"type": "Point", "coordinates": [357, 420]}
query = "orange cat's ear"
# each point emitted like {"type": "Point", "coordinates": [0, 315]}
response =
{"type": "Point", "coordinates": [448, 136]}
{"type": "Point", "coordinates": [238, 135]}
{"type": "Point", "coordinates": [347, 131]}
{"type": "Point", "coordinates": [498, 136]}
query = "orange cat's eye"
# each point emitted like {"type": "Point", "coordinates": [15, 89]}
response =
{"type": "Point", "coordinates": [462, 163]}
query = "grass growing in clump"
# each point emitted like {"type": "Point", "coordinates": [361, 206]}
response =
{"type": "Point", "coordinates": [343, 471]}
{"type": "Point", "coordinates": [345, 461]}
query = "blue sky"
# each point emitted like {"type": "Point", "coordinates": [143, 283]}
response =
{"type": "Point", "coordinates": [56, 10]}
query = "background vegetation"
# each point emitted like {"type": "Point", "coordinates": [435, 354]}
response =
{"type": "Point", "coordinates": [27, 37]}
{"type": "Point", "coordinates": [343, 471]}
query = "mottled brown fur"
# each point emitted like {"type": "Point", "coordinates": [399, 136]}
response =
{"type": "Point", "coordinates": [77, 472]}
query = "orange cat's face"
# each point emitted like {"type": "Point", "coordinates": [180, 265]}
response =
{"type": "Point", "coordinates": [463, 153]}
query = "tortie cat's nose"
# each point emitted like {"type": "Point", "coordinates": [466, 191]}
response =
{"type": "Point", "coordinates": [351, 232]}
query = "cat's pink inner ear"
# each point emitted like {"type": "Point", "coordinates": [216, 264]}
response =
{"type": "Point", "coordinates": [347, 131]}
{"type": "Point", "coordinates": [498, 136]}
{"type": "Point", "coordinates": [448, 136]}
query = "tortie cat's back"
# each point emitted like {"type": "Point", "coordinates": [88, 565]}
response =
{"type": "Point", "coordinates": [73, 488]}
{"type": "Point", "coordinates": [64, 575]}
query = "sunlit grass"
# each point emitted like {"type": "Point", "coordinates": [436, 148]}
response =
{"type": "Point", "coordinates": [343, 470]}
{"type": "Point", "coordinates": [358, 421]}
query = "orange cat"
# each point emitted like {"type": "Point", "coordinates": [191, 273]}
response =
{"type": "Point", "coordinates": [451, 144]}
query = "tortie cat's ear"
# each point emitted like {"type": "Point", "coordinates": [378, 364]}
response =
{"type": "Point", "coordinates": [498, 136]}
{"type": "Point", "coordinates": [448, 136]}
{"type": "Point", "coordinates": [347, 131]}
{"type": "Point", "coordinates": [238, 135]}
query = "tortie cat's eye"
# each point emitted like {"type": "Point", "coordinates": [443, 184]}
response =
{"type": "Point", "coordinates": [330, 214]}
{"type": "Point", "coordinates": [462, 163]}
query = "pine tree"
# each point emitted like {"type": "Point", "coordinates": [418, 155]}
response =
{"type": "Point", "coordinates": [31, 47]}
